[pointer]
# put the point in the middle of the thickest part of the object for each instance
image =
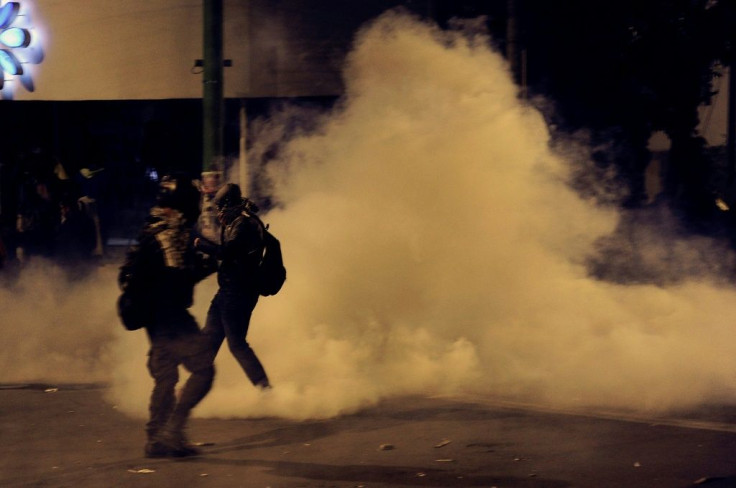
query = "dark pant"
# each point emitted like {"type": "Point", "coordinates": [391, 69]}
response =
{"type": "Point", "coordinates": [191, 350]}
{"type": "Point", "coordinates": [229, 317]}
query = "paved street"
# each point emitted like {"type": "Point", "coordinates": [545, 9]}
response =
{"type": "Point", "coordinates": [67, 436]}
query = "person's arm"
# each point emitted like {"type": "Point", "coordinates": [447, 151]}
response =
{"type": "Point", "coordinates": [204, 265]}
{"type": "Point", "coordinates": [206, 246]}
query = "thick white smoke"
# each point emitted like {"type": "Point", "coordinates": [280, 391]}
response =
{"type": "Point", "coordinates": [433, 246]}
{"type": "Point", "coordinates": [54, 329]}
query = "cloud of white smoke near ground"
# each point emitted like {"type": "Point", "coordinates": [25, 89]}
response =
{"type": "Point", "coordinates": [434, 247]}
{"type": "Point", "coordinates": [54, 329]}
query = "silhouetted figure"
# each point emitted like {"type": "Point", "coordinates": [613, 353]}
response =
{"type": "Point", "coordinates": [38, 214]}
{"type": "Point", "coordinates": [38, 203]}
{"type": "Point", "coordinates": [91, 180]}
{"type": "Point", "coordinates": [163, 270]}
{"type": "Point", "coordinates": [76, 238]}
{"type": "Point", "coordinates": [239, 253]}
{"type": "Point", "coordinates": [8, 209]}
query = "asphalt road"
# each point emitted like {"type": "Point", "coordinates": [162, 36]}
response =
{"type": "Point", "coordinates": [67, 436]}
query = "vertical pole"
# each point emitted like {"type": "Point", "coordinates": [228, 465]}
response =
{"type": "Point", "coordinates": [731, 128]}
{"type": "Point", "coordinates": [512, 40]}
{"type": "Point", "coordinates": [244, 179]}
{"type": "Point", "coordinates": [212, 113]}
{"type": "Point", "coordinates": [730, 11]}
{"type": "Point", "coordinates": [523, 75]}
{"type": "Point", "coordinates": [212, 104]}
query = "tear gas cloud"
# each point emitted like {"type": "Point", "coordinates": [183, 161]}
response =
{"type": "Point", "coordinates": [433, 246]}
{"type": "Point", "coordinates": [56, 330]}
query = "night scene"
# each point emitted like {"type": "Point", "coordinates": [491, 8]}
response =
{"type": "Point", "coordinates": [367, 244]}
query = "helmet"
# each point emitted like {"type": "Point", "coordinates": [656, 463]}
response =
{"type": "Point", "coordinates": [181, 193]}
{"type": "Point", "coordinates": [228, 196]}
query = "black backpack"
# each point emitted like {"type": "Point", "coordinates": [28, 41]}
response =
{"type": "Point", "coordinates": [134, 305]}
{"type": "Point", "coordinates": [134, 309]}
{"type": "Point", "coordinates": [271, 272]}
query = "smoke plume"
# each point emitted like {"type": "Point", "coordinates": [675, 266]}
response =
{"type": "Point", "coordinates": [434, 246]}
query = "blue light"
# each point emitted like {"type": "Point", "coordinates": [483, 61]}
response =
{"type": "Point", "coordinates": [9, 63]}
{"type": "Point", "coordinates": [20, 49]}
{"type": "Point", "coordinates": [15, 37]}
{"type": "Point", "coordinates": [8, 12]}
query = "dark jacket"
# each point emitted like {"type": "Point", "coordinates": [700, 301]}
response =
{"type": "Point", "coordinates": [163, 269]}
{"type": "Point", "coordinates": [240, 253]}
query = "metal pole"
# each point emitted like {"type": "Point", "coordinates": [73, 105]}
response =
{"type": "Point", "coordinates": [212, 104]}
{"type": "Point", "coordinates": [512, 39]}
{"type": "Point", "coordinates": [731, 130]}
{"type": "Point", "coordinates": [212, 122]}
{"type": "Point", "coordinates": [243, 160]}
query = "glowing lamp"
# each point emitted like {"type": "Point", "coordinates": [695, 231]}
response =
{"type": "Point", "coordinates": [15, 37]}
{"type": "Point", "coordinates": [8, 12]}
{"type": "Point", "coordinates": [19, 50]}
{"type": "Point", "coordinates": [9, 63]}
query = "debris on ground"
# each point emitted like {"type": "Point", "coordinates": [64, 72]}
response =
{"type": "Point", "coordinates": [716, 481]}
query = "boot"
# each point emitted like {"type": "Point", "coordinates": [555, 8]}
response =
{"type": "Point", "coordinates": [157, 449]}
{"type": "Point", "coordinates": [178, 445]}
{"type": "Point", "coordinates": [263, 385]}
{"type": "Point", "coordinates": [154, 447]}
